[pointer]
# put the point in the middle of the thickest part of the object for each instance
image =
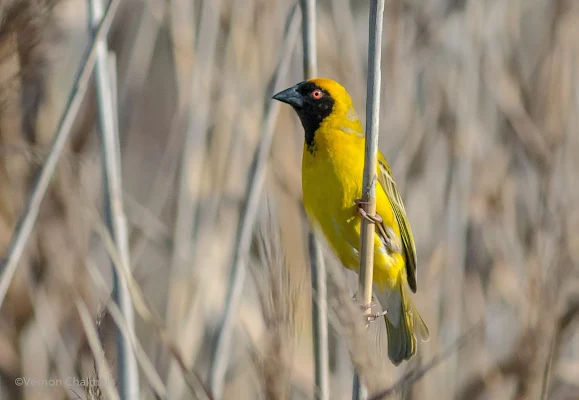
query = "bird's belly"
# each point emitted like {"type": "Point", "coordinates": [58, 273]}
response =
{"type": "Point", "coordinates": [329, 203]}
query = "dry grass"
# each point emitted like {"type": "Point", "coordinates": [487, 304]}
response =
{"type": "Point", "coordinates": [479, 120]}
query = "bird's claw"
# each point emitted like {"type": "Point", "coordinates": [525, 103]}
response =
{"type": "Point", "coordinates": [377, 219]}
{"type": "Point", "coordinates": [373, 317]}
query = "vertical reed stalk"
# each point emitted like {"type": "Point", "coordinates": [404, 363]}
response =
{"type": "Point", "coordinates": [364, 294]}
{"type": "Point", "coordinates": [319, 320]}
{"type": "Point", "coordinates": [318, 268]}
{"type": "Point", "coordinates": [309, 38]}
{"type": "Point", "coordinates": [128, 372]}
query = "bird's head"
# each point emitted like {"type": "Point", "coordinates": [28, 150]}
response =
{"type": "Point", "coordinates": [317, 99]}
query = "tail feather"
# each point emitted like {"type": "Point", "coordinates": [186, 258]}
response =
{"type": "Point", "coordinates": [401, 336]}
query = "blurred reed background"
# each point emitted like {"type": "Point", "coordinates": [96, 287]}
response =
{"type": "Point", "coordinates": [480, 123]}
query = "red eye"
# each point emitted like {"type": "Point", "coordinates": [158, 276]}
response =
{"type": "Point", "coordinates": [317, 94]}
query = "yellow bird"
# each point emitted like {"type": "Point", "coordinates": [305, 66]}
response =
{"type": "Point", "coordinates": [332, 165]}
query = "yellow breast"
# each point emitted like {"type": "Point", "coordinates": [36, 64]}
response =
{"type": "Point", "coordinates": [331, 181]}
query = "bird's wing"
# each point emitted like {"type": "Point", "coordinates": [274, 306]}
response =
{"type": "Point", "coordinates": [408, 247]}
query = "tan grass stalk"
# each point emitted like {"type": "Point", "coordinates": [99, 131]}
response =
{"type": "Point", "coordinates": [128, 372]}
{"type": "Point", "coordinates": [364, 294]}
{"type": "Point", "coordinates": [104, 373]}
{"type": "Point", "coordinates": [318, 268]}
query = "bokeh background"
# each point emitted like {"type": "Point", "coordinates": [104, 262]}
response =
{"type": "Point", "coordinates": [479, 121]}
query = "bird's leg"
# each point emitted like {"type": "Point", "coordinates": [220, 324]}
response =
{"type": "Point", "coordinates": [389, 238]}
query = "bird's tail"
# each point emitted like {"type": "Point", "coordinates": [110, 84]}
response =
{"type": "Point", "coordinates": [402, 327]}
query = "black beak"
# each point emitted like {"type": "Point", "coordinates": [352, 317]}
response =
{"type": "Point", "coordinates": [290, 96]}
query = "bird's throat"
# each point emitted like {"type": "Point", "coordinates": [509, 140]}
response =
{"type": "Point", "coordinates": [311, 124]}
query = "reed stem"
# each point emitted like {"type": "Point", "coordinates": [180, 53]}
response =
{"type": "Point", "coordinates": [364, 294]}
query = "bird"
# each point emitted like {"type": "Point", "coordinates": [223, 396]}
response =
{"type": "Point", "coordinates": [332, 168]}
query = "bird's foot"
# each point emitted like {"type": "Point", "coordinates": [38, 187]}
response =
{"type": "Point", "coordinates": [376, 219]}
{"type": "Point", "coordinates": [374, 316]}
{"type": "Point", "coordinates": [371, 317]}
